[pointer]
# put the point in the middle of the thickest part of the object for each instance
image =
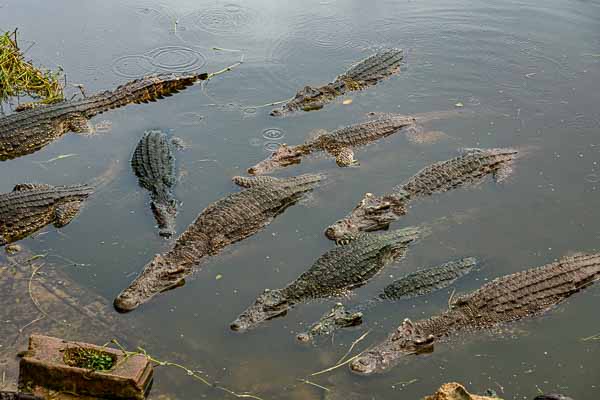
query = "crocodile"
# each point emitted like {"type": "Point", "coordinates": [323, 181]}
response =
{"type": "Point", "coordinates": [506, 299]}
{"type": "Point", "coordinates": [333, 274]}
{"type": "Point", "coordinates": [377, 212]}
{"type": "Point", "coordinates": [224, 222]}
{"type": "Point", "coordinates": [363, 74]}
{"type": "Point", "coordinates": [18, 396]}
{"type": "Point", "coordinates": [552, 396]}
{"type": "Point", "coordinates": [31, 206]}
{"type": "Point", "coordinates": [412, 285]}
{"type": "Point", "coordinates": [338, 143]}
{"type": "Point", "coordinates": [26, 132]}
{"type": "Point", "coordinates": [153, 164]}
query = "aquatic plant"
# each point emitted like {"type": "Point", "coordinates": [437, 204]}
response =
{"type": "Point", "coordinates": [19, 77]}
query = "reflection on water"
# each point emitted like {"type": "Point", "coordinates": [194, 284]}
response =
{"type": "Point", "coordinates": [527, 71]}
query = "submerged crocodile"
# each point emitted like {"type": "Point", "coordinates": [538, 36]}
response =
{"type": "Point", "coordinates": [228, 220]}
{"type": "Point", "coordinates": [333, 274]}
{"type": "Point", "coordinates": [365, 73]}
{"type": "Point", "coordinates": [153, 164]}
{"type": "Point", "coordinates": [28, 131]}
{"type": "Point", "coordinates": [415, 284]}
{"type": "Point", "coordinates": [31, 206]}
{"type": "Point", "coordinates": [509, 298]}
{"type": "Point", "coordinates": [374, 213]}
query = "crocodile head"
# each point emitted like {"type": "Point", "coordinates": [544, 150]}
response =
{"type": "Point", "coordinates": [307, 99]}
{"type": "Point", "coordinates": [282, 157]}
{"type": "Point", "coordinates": [337, 318]}
{"type": "Point", "coordinates": [158, 276]}
{"type": "Point", "coordinates": [371, 214]}
{"type": "Point", "coordinates": [407, 340]}
{"type": "Point", "coordinates": [270, 304]}
{"type": "Point", "coordinates": [165, 217]}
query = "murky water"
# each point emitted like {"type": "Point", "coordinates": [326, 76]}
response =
{"type": "Point", "coordinates": [528, 70]}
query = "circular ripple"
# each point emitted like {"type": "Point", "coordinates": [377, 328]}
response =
{"type": "Point", "coordinates": [593, 178]}
{"type": "Point", "coordinates": [133, 66]}
{"type": "Point", "coordinates": [255, 142]}
{"type": "Point", "coordinates": [176, 59]}
{"type": "Point", "coordinates": [271, 146]}
{"type": "Point", "coordinates": [227, 19]}
{"type": "Point", "coordinates": [273, 134]}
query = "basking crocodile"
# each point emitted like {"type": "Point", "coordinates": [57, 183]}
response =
{"type": "Point", "coordinates": [28, 131]}
{"type": "Point", "coordinates": [365, 73]}
{"type": "Point", "coordinates": [153, 164]}
{"type": "Point", "coordinates": [228, 220]}
{"type": "Point", "coordinates": [333, 274]}
{"type": "Point", "coordinates": [415, 284]}
{"type": "Point", "coordinates": [509, 298]}
{"type": "Point", "coordinates": [31, 206]}
{"type": "Point", "coordinates": [374, 213]}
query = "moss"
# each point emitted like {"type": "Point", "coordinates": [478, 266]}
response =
{"type": "Point", "coordinates": [96, 360]}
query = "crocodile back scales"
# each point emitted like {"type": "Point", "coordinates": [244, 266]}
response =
{"type": "Point", "coordinates": [349, 266]}
{"type": "Point", "coordinates": [25, 211]}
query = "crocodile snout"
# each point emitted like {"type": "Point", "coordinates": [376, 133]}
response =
{"type": "Point", "coordinates": [125, 304]}
{"type": "Point", "coordinates": [363, 365]}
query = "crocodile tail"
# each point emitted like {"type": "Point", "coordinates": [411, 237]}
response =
{"type": "Point", "coordinates": [143, 90]}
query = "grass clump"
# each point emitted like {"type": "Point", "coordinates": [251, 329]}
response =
{"type": "Point", "coordinates": [19, 77]}
{"type": "Point", "coordinates": [92, 359]}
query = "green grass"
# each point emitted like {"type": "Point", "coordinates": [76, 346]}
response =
{"type": "Point", "coordinates": [19, 77]}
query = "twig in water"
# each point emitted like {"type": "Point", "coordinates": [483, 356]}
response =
{"type": "Point", "coordinates": [60, 157]}
{"type": "Point", "coordinates": [33, 300]}
{"type": "Point", "coordinates": [406, 383]}
{"type": "Point", "coordinates": [188, 371]}
{"type": "Point", "coordinates": [357, 341]}
{"type": "Point", "coordinates": [339, 365]}
{"type": "Point", "coordinates": [222, 71]}
{"type": "Point", "coordinates": [314, 384]}
{"type": "Point", "coordinates": [593, 337]}
{"type": "Point", "coordinates": [450, 298]}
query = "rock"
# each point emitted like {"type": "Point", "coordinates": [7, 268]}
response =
{"type": "Point", "coordinates": [455, 391]}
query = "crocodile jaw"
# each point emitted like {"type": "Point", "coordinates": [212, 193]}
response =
{"type": "Point", "coordinates": [268, 305]}
{"type": "Point", "coordinates": [371, 214]}
{"type": "Point", "coordinates": [282, 157]}
{"type": "Point", "coordinates": [407, 340]}
{"type": "Point", "coordinates": [158, 276]}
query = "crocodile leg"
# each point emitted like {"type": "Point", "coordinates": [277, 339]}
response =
{"type": "Point", "coordinates": [78, 123]}
{"type": "Point", "coordinates": [344, 157]}
{"type": "Point", "coordinates": [66, 212]}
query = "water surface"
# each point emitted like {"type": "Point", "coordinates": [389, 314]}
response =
{"type": "Point", "coordinates": [527, 70]}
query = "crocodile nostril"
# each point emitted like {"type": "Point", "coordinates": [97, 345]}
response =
{"type": "Point", "coordinates": [235, 326]}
